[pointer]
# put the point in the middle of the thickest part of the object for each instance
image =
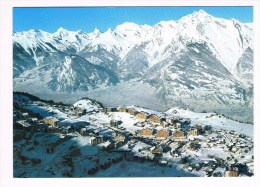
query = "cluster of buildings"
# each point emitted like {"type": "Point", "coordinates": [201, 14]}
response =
{"type": "Point", "coordinates": [163, 138]}
{"type": "Point", "coordinates": [175, 136]}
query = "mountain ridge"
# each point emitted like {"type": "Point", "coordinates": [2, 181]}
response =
{"type": "Point", "coordinates": [194, 61]}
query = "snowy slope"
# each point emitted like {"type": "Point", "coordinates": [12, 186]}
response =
{"type": "Point", "coordinates": [227, 39]}
{"type": "Point", "coordinates": [216, 121]}
{"type": "Point", "coordinates": [71, 75]}
{"type": "Point", "coordinates": [194, 76]}
{"type": "Point", "coordinates": [88, 104]}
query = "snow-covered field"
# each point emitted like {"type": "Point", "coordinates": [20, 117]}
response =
{"type": "Point", "coordinates": [219, 122]}
{"type": "Point", "coordinates": [136, 169]}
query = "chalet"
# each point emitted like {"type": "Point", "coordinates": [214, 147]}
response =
{"type": "Point", "coordinates": [114, 134]}
{"type": "Point", "coordinates": [176, 125]}
{"type": "Point", "coordinates": [231, 173]}
{"type": "Point", "coordinates": [109, 109]}
{"type": "Point", "coordinates": [162, 134]}
{"type": "Point", "coordinates": [120, 138]}
{"type": "Point", "coordinates": [178, 135]}
{"type": "Point", "coordinates": [156, 150]}
{"type": "Point", "coordinates": [169, 119]}
{"type": "Point", "coordinates": [146, 132]}
{"type": "Point", "coordinates": [90, 129]}
{"type": "Point", "coordinates": [52, 121]}
{"type": "Point", "coordinates": [106, 133]}
{"type": "Point", "coordinates": [83, 131]}
{"type": "Point", "coordinates": [193, 132]}
{"type": "Point", "coordinates": [235, 149]}
{"type": "Point", "coordinates": [64, 130]}
{"type": "Point", "coordinates": [111, 144]}
{"type": "Point", "coordinates": [190, 169]}
{"type": "Point", "coordinates": [53, 129]}
{"type": "Point", "coordinates": [199, 126]}
{"type": "Point", "coordinates": [142, 115]}
{"type": "Point", "coordinates": [154, 118]}
{"type": "Point", "coordinates": [164, 124]}
{"type": "Point", "coordinates": [122, 109]}
{"type": "Point", "coordinates": [80, 111]}
{"type": "Point", "coordinates": [96, 131]}
{"type": "Point", "coordinates": [106, 145]}
{"type": "Point", "coordinates": [25, 114]}
{"type": "Point", "coordinates": [115, 123]}
{"type": "Point", "coordinates": [34, 119]}
{"type": "Point", "coordinates": [132, 111]}
{"type": "Point", "coordinates": [174, 146]}
{"type": "Point", "coordinates": [96, 140]}
{"type": "Point", "coordinates": [23, 125]}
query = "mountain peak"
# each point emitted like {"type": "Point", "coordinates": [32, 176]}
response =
{"type": "Point", "coordinates": [110, 30]}
{"type": "Point", "coordinates": [61, 29]}
{"type": "Point", "coordinates": [200, 14]}
{"type": "Point", "coordinates": [127, 26]}
{"type": "Point", "coordinates": [197, 16]}
{"type": "Point", "coordinates": [61, 32]}
{"type": "Point", "coordinates": [32, 33]}
{"type": "Point", "coordinates": [79, 31]}
{"type": "Point", "coordinates": [33, 30]}
{"type": "Point", "coordinates": [96, 31]}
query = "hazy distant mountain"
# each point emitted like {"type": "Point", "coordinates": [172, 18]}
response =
{"type": "Point", "coordinates": [71, 75]}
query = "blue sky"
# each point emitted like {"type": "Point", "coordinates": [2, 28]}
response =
{"type": "Point", "coordinates": [86, 19]}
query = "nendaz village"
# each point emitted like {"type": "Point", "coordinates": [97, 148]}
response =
{"type": "Point", "coordinates": [87, 139]}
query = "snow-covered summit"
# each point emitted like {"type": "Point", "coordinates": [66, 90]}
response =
{"type": "Point", "coordinates": [197, 57]}
{"type": "Point", "coordinates": [96, 31]}
{"type": "Point", "coordinates": [195, 27]}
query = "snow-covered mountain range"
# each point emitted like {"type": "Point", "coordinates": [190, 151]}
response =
{"type": "Point", "coordinates": [198, 60]}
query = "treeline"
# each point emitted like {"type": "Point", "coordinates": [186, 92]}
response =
{"type": "Point", "coordinates": [237, 120]}
{"type": "Point", "coordinates": [35, 98]}
{"type": "Point", "coordinates": [93, 100]}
